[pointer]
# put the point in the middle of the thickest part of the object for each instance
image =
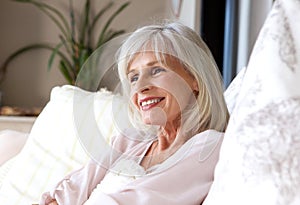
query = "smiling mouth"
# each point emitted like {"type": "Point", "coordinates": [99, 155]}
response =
{"type": "Point", "coordinates": [149, 103]}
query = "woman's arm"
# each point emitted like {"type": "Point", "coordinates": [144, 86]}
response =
{"type": "Point", "coordinates": [76, 187]}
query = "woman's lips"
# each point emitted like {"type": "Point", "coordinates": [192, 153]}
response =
{"type": "Point", "coordinates": [148, 103]}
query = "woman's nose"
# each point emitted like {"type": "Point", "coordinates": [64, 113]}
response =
{"type": "Point", "coordinates": [145, 89]}
{"type": "Point", "coordinates": [143, 85]}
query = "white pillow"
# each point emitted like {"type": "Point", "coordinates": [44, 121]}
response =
{"type": "Point", "coordinates": [233, 90]}
{"type": "Point", "coordinates": [260, 155]}
{"type": "Point", "coordinates": [54, 146]}
{"type": "Point", "coordinates": [4, 169]}
{"type": "Point", "coordinates": [11, 143]}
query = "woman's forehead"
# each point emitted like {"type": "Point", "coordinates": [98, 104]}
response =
{"type": "Point", "coordinates": [150, 58]}
{"type": "Point", "coordinates": [143, 59]}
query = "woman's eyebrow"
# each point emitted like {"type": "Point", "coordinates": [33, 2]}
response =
{"type": "Point", "coordinates": [151, 63]}
{"type": "Point", "coordinates": [131, 71]}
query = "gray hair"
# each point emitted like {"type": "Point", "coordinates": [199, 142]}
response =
{"type": "Point", "coordinates": [210, 110]}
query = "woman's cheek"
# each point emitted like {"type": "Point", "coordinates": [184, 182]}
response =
{"type": "Point", "coordinates": [134, 101]}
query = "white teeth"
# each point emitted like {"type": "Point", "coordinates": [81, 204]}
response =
{"type": "Point", "coordinates": [148, 102]}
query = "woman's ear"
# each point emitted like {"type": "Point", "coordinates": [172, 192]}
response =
{"type": "Point", "coordinates": [195, 86]}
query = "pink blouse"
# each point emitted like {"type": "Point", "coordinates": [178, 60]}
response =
{"type": "Point", "coordinates": [184, 178]}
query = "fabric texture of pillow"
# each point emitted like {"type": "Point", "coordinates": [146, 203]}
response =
{"type": "Point", "coordinates": [4, 169]}
{"type": "Point", "coordinates": [54, 146]}
{"type": "Point", "coordinates": [11, 143]}
{"type": "Point", "coordinates": [233, 90]}
{"type": "Point", "coordinates": [260, 155]}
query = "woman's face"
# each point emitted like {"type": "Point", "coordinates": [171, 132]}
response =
{"type": "Point", "coordinates": [160, 90]}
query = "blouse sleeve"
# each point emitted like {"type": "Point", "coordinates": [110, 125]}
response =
{"type": "Point", "coordinates": [76, 187]}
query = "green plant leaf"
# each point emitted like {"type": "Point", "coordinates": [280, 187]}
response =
{"type": "Point", "coordinates": [85, 22]}
{"type": "Point", "coordinates": [53, 54]}
{"type": "Point", "coordinates": [73, 24]}
{"type": "Point", "coordinates": [98, 16]}
{"type": "Point", "coordinates": [66, 72]}
{"type": "Point", "coordinates": [73, 50]}
{"type": "Point", "coordinates": [112, 34]}
{"type": "Point", "coordinates": [84, 54]}
{"type": "Point", "coordinates": [67, 44]}
{"type": "Point", "coordinates": [25, 49]}
{"type": "Point", "coordinates": [109, 21]}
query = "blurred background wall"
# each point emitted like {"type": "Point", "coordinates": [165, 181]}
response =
{"type": "Point", "coordinates": [28, 82]}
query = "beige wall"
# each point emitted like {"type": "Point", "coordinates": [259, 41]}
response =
{"type": "Point", "coordinates": [190, 14]}
{"type": "Point", "coordinates": [251, 18]}
{"type": "Point", "coordinates": [28, 83]}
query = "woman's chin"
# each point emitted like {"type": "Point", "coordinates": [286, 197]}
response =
{"type": "Point", "coordinates": [148, 122]}
{"type": "Point", "coordinates": [156, 116]}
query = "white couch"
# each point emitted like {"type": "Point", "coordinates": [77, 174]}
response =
{"type": "Point", "coordinates": [11, 143]}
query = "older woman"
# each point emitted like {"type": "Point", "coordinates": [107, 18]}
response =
{"type": "Point", "coordinates": [179, 114]}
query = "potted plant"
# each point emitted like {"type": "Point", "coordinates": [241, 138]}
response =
{"type": "Point", "coordinates": [75, 39]}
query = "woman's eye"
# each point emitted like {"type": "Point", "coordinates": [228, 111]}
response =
{"type": "Point", "coordinates": [133, 78]}
{"type": "Point", "coordinates": [157, 70]}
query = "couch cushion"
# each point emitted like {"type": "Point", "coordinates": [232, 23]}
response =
{"type": "Point", "coordinates": [260, 156]}
{"type": "Point", "coordinates": [11, 143]}
{"type": "Point", "coordinates": [54, 146]}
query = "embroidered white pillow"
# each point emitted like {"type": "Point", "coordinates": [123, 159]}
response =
{"type": "Point", "coordinates": [260, 155]}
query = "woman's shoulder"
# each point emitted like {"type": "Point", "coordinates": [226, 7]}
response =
{"type": "Point", "coordinates": [209, 136]}
{"type": "Point", "coordinates": [207, 144]}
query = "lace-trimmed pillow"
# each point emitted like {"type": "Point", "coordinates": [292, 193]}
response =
{"type": "Point", "coordinates": [260, 156]}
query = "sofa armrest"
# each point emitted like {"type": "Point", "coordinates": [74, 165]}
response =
{"type": "Point", "coordinates": [11, 143]}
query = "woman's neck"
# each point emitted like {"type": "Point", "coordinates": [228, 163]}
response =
{"type": "Point", "coordinates": [169, 137]}
{"type": "Point", "coordinates": [166, 137]}
{"type": "Point", "coordinates": [168, 142]}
